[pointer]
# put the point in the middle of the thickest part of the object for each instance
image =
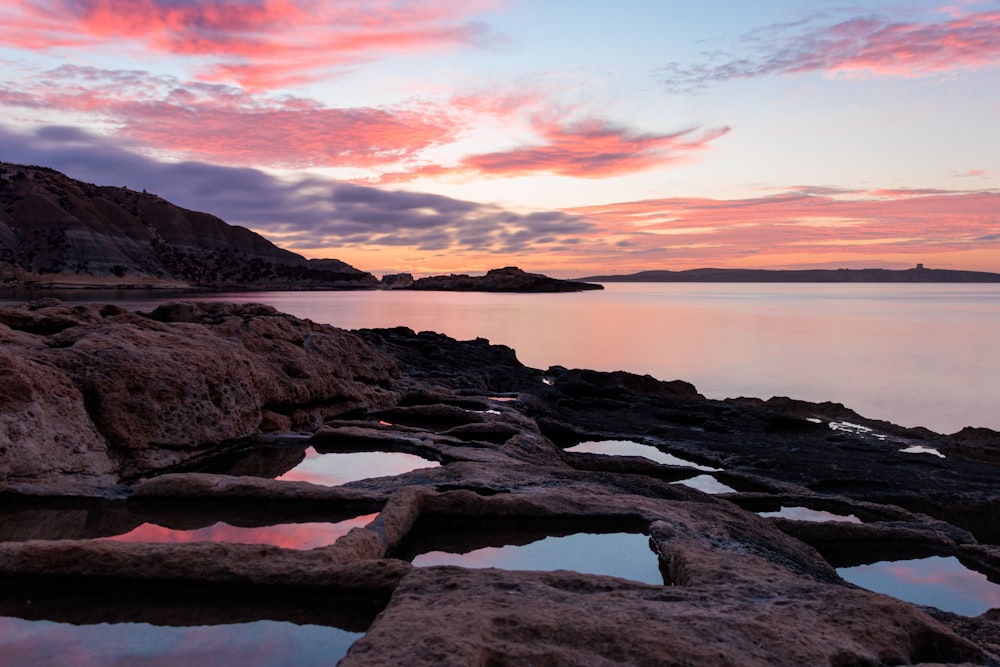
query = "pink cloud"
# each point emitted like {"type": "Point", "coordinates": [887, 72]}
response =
{"type": "Point", "coordinates": [907, 49]}
{"type": "Point", "coordinates": [258, 43]}
{"type": "Point", "coordinates": [586, 149]}
{"type": "Point", "coordinates": [231, 126]}
{"type": "Point", "coordinates": [227, 125]}
{"type": "Point", "coordinates": [289, 137]}
{"type": "Point", "coordinates": [592, 149]}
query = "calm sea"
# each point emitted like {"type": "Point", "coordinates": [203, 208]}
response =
{"type": "Point", "coordinates": [916, 355]}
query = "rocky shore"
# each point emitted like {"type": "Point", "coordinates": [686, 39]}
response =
{"type": "Point", "coordinates": [110, 419]}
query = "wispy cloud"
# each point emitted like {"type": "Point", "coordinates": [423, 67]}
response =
{"type": "Point", "coordinates": [256, 43]}
{"type": "Point", "coordinates": [592, 149]}
{"type": "Point", "coordinates": [873, 45]}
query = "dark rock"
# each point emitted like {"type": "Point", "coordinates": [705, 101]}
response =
{"type": "Point", "coordinates": [507, 279]}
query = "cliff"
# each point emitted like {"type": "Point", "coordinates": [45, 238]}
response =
{"type": "Point", "coordinates": [56, 230]}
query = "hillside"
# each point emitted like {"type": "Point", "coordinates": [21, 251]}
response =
{"type": "Point", "coordinates": [57, 230]}
{"type": "Point", "coordinates": [919, 274]}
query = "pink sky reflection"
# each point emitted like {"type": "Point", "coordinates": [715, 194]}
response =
{"type": "Point", "coordinates": [942, 582]}
{"type": "Point", "coordinates": [287, 535]}
{"type": "Point", "coordinates": [337, 469]}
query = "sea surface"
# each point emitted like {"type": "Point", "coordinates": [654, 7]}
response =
{"type": "Point", "coordinates": [913, 354]}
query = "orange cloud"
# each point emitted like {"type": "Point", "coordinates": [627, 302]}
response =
{"type": "Point", "coordinates": [800, 225]}
{"type": "Point", "coordinates": [258, 43]}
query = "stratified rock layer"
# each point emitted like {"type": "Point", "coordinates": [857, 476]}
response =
{"type": "Point", "coordinates": [110, 420]}
{"type": "Point", "coordinates": [55, 229]}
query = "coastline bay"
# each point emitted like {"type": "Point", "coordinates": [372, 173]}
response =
{"type": "Point", "coordinates": [915, 355]}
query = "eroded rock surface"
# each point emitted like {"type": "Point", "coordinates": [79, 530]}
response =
{"type": "Point", "coordinates": [94, 396]}
{"type": "Point", "coordinates": [113, 419]}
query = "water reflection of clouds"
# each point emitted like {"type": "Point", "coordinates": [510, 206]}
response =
{"type": "Point", "coordinates": [287, 535]}
{"type": "Point", "coordinates": [340, 468]}
{"type": "Point", "coordinates": [937, 581]}
{"type": "Point", "coordinates": [625, 555]}
{"type": "Point", "coordinates": [255, 644]}
{"type": "Point", "coordinates": [630, 448]}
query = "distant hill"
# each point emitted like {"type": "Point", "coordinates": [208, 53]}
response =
{"type": "Point", "coordinates": [55, 230]}
{"type": "Point", "coordinates": [915, 275]}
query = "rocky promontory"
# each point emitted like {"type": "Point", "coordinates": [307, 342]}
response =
{"type": "Point", "coordinates": [507, 279]}
{"type": "Point", "coordinates": [187, 415]}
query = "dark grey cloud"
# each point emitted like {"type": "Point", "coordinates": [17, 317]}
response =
{"type": "Point", "coordinates": [309, 212]}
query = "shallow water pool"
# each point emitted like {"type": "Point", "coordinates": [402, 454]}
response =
{"type": "Point", "coordinates": [335, 469]}
{"type": "Point", "coordinates": [935, 581]}
{"type": "Point", "coordinates": [806, 514]}
{"type": "Point", "coordinates": [706, 484]}
{"type": "Point", "coordinates": [287, 535]}
{"type": "Point", "coordinates": [42, 643]}
{"type": "Point", "coordinates": [631, 448]}
{"type": "Point", "coordinates": [624, 555]}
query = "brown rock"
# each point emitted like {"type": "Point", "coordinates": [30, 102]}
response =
{"type": "Point", "coordinates": [46, 436]}
{"type": "Point", "coordinates": [124, 395]}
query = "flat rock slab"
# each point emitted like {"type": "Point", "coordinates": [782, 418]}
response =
{"type": "Point", "coordinates": [452, 616]}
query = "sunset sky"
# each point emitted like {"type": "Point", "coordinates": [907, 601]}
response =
{"type": "Point", "coordinates": [568, 137]}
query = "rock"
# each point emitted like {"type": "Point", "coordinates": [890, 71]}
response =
{"type": "Point", "coordinates": [396, 281]}
{"type": "Point", "coordinates": [182, 417]}
{"type": "Point", "coordinates": [507, 279]}
{"type": "Point", "coordinates": [110, 398]}
{"type": "Point", "coordinates": [46, 435]}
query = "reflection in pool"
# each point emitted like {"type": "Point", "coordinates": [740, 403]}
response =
{"type": "Point", "coordinates": [806, 514]}
{"type": "Point", "coordinates": [706, 484]}
{"type": "Point", "coordinates": [937, 581]}
{"type": "Point", "coordinates": [625, 555]}
{"type": "Point", "coordinates": [630, 448]}
{"type": "Point", "coordinates": [255, 644]}
{"type": "Point", "coordinates": [287, 535]}
{"type": "Point", "coordinates": [340, 468]}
